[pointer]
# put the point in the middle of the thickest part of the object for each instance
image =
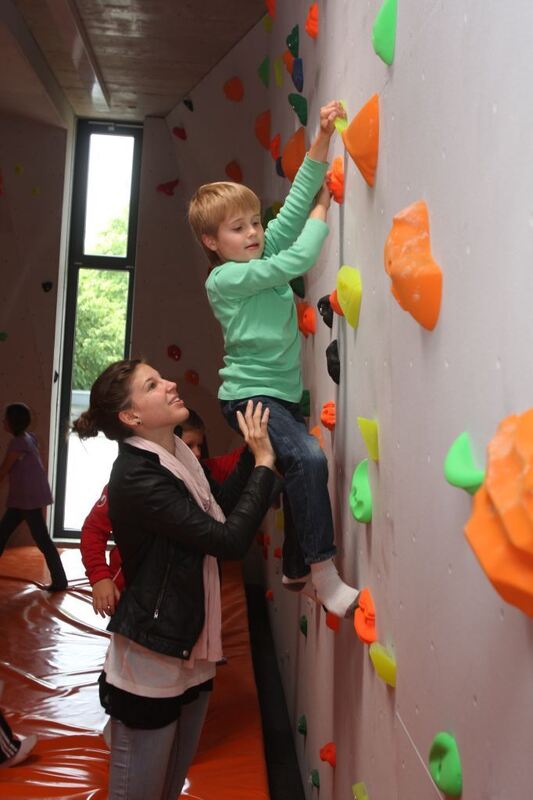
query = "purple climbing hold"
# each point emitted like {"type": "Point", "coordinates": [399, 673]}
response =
{"type": "Point", "coordinates": [298, 74]}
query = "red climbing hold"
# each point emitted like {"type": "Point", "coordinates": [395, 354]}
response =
{"type": "Point", "coordinates": [329, 753]}
{"type": "Point", "coordinates": [192, 377]}
{"type": "Point", "coordinates": [180, 133]}
{"type": "Point", "coordinates": [168, 188]}
{"type": "Point", "coordinates": [234, 171]}
{"type": "Point", "coordinates": [174, 352]}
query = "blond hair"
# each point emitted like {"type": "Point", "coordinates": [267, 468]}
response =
{"type": "Point", "coordinates": [211, 204]}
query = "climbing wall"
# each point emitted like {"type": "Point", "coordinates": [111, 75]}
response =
{"type": "Point", "coordinates": [443, 178]}
{"type": "Point", "coordinates": [32, 157]}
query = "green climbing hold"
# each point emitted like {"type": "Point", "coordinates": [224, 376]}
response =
{"type": "Point", "coordinates": [341, 123]}
{"type": "Point", "coordinates": [445, 764]}
{"type": "Point", "coordinates": [298, 104]}
{"type": "Point", "coordinates": [3, 336]}
{"type": "Point", "coordinates": [293, 41]}
{"type": "Point", "coordinates": [303, 625]}
{"type": "Point", "coordinates": [460, 468]}
{"type": "Point", "coordinates": [314, 778]}
{"type": "Point", "coordinates": [361, 494]}
{"type": "Point", "coordinates": [298, 286]}
{"type": "Point", "coordinates": [305, 403]}
{"type": "Point", "coordinates": [264, 71]}
{"type": "Point", "coordinates": [384, 31]}
{"type": "Point", "coordinates": [301, 725]}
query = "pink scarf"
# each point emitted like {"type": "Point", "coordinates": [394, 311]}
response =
{"type": "Point", "coordinates": [185, 466]}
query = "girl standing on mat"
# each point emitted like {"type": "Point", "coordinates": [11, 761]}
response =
{"type": "Point", "coordinates": [29, 491]}
{"type": "Point", "coordinates": [170, 530]}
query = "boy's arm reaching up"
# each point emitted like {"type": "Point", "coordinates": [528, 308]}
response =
{"type": "Point", "coordinates": [287, 226]}
{"type": "Point", "coordinates": [243, 279]}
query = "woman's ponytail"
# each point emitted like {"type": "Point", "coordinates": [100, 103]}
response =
{"type": "Point", "coordinates": [110, 394]}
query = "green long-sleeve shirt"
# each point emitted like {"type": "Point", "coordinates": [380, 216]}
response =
{"type": "Point", "coordinates": [255, 305]}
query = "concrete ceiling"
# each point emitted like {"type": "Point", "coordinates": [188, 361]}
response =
{"type": "Point", "coordinates": [121, 59]}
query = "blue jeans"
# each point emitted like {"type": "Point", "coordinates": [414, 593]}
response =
{"type": "Point", "coordinates": [153, 764]}
{"type": "Point", "coordinates": [308, 519]}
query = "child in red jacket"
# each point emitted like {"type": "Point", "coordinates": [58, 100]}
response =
{"type": "Point", "coordinates": [106, 579]}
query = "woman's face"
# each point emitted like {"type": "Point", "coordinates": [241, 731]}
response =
{"type": "Point", "coordinates": [154, 401]}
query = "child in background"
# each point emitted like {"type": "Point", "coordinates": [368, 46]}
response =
{"type": "Point", "coordinates": [250, 294]}
{"type": "Point", "coordinates": [106, 579]}
{"type": "Point", "coordinates": [29, 491]}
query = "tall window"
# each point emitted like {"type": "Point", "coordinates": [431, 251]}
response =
{"type": "Point", "coordinates": [99, 295]}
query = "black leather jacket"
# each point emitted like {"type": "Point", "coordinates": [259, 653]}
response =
{"type": "Point", "coordinates": [163, 536]}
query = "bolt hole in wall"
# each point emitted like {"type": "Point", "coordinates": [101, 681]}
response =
{"type": "Point", "coordinates": [99, 291]}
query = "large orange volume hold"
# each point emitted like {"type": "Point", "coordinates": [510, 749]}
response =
{"type": "Point", "coordinates": [416, 277]}
{"type": "Point", "coordinates": [361, 139]}
{"type": "Point", "coordinates": [500, 529]}
{"type": "Point", "coordinates": [293, 154]}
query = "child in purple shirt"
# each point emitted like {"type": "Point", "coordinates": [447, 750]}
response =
{"type": "Point", "coordinates": [28, 492]}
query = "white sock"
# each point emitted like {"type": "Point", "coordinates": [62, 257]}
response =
{"type": "Point", "coordinates": [333, 593]}
{"type": "Point", "coordinates": [301, 585]}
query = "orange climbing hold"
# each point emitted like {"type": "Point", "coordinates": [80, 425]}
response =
{"type": "Point", "coordinates": [361, 139]}
{"type": "Point", "coordinates": [500, 529]}
{"type": "Point", "coordinates": [416, 277]}
{"type": "Point", "coordinates": [311, 23]}
{"type": "Point", "coordinates": [271, 8]}
{"type": "Point", "coordinates": [334, 303]}
{"type": "Point", "coordinates": [335, 179]}
{"type": "Point", "coordinates": [277, 552]}
{"type": "Point", "coordinates": [234, 89]}
{"type": "Point", "coordinates": [275, 147]}
{"type": "Point", "coordinates": [364, 619]}
{"type": "Point", "coordinates": [293, 154]}
{"type": "Point", "coordinates": [234, 171]}
{"type": "Point", "coordinates": [288, 60]}
{"type": "Point", "coordinates": [269, 594]}
{"type": "Point", "coordinates": [316, 431]}
{"type": "Point", "coordinates": [262, 129]}
{"type": "Point", "coordinates": [329, 753]}
{"type": "Point", "coordinates": [328, 415]}
{"type": "Point", "coordinates": [306, 318]}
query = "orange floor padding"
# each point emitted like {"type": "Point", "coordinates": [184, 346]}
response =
{"type": "Point", "coordinates": [52, 650]}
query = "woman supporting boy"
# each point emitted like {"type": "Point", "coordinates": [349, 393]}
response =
{"type": "Point", "coordinates": [249, 292]}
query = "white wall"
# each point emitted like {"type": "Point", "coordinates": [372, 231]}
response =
{"type": "Point", "coordinates": [32, 160]}
{"type": "Point", "coordinates": [455, 116]}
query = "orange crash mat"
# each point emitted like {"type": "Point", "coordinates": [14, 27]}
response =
{"type": "Point", "coordinates": [52, 651]}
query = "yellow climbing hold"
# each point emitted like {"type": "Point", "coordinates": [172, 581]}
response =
{"type": "Point", "coordinates": [279, 520]}
{"type": "Point", "coordinates": [359, 791]}
{"type": "Point", "coordinates": [349, 293]}
{"type": "Point", "coordinates": [369, 431]}
{"type": "Point", "coordinates": [384, 663]}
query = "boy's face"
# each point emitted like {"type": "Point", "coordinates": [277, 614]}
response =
{"type": "Point", "coordinates": [240, 237]}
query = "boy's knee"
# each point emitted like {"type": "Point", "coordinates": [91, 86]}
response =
{"type": "Point", "coordinates": [313, 457]}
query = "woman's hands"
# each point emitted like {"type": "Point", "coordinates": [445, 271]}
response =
{"type": "Point", "coordinates": [254, 428]}
{"type": "Point", "coordinates": [105, 597]}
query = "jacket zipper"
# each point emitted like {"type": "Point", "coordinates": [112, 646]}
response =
{"type": "Point", "coordinates": [162, 592]}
